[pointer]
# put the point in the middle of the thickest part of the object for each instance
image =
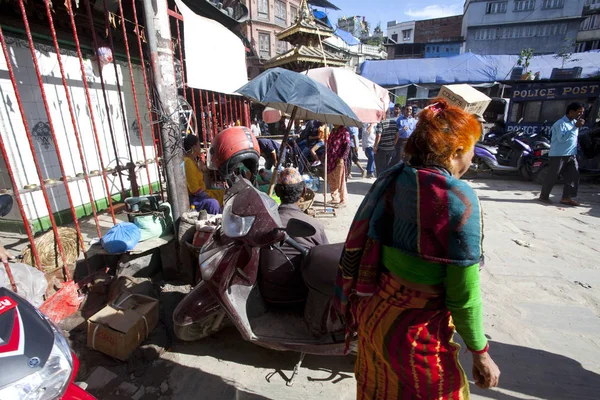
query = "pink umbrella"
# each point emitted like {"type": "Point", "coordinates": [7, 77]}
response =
{"type": "Point", "coordinates": [368, 100]}
{"type": "Point", "coordinates": [271, 115]}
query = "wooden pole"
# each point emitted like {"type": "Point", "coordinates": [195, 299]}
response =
{"type": "Point", "coordinates": [281, 150]}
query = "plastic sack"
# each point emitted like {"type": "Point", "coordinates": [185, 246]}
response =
{"type": "Point", "coordinates": [121, 238]}
{"type": "Point", "coordinates": [153, 225]}
{"type": "Point", "coordinates": [31, 282]}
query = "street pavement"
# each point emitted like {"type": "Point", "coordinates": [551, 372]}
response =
{"type": "Point", "coordinates": [541, 293]}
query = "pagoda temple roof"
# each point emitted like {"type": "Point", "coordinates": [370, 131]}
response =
{"type": "Point", "coordinates": [315, 27]}
{"type": "Point", "coordinates": [306, 54]}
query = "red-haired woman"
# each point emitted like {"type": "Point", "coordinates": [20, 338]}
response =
{"type": "Point", "coordinates": [409, 274]}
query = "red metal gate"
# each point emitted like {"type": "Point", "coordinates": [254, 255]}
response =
{"type": "Point", "coordinates": [94, 138]}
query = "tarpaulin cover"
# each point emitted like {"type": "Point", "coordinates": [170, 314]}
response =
{"type": "Point", "coordinates": [215, 58]}
{"type": "Point", "coordinates": [468, 68]}
{"type": "Point", "coordinates": [346, 37]}
{"type": "Point", "coordinates": [322, 16]}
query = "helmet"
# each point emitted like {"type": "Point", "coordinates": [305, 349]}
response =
{"type": "Point", "coordinates": [231, 148]}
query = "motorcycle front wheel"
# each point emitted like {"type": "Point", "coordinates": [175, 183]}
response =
{"type": "Point", "coordinates": [203, 328]}
{"type": "Point", "coordinates": [525, 172]}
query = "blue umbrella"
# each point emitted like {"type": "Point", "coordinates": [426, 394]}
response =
{"type": "Point", "coordinates": [299, 96]}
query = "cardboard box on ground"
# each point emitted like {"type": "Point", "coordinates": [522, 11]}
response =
{"type": "Point", "coordinates": [466, 97]}
{"type": "Point", "coordinates": [120, 327]}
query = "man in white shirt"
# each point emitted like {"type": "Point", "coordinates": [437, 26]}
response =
{"type": "Point", "coordinates": [255, 128]}
{"type": "Point", "coordinates": [368, 141]}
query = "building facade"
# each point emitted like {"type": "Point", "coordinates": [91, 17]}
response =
{"type": "Point", "coordinates": [267, 18]}
{"type": "Point", "coordinates": [508, 26]}
{"type": "Point", "coordinates": [355, 25]}
{"type": "Point", "coordinates": [432, 38]}
{"type": "Point", "coordinates": [588, 37]}
{"type": "Point", "coordinates": [401, 32]}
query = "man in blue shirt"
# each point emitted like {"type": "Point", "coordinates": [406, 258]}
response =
{"type": "Point", "coordinates": [406, 126]}
{"type": "Point", "coordinates": [563, 155]}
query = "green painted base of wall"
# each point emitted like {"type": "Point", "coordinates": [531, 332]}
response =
{"type": "Point", "coordinates": [65, 217]}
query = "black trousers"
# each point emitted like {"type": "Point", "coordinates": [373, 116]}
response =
{"type": "Point", "coordinates": [383, 160]}
{"type": "Point", "coordinates": [568, 167]}
{"type": "Point", "coordinates": [400, 145]}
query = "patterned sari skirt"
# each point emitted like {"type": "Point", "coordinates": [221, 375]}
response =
{"type": "Point", "coordinates": [336, 180]}
{"type": "Point", "coordinates": [405, 347]}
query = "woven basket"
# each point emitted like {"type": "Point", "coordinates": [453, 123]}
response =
{"type": "Point", "coordinates": [307, 200]}
{"type": "Point", "coordinates": [47, 249]}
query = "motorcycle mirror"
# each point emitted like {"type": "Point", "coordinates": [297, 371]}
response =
{"type": "Point", "coordinates": [6, 203]}
{"type": "Point", "coordinates": [299, 228]}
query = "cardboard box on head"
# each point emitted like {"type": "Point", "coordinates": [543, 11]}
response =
{"type": "Point", "coordinates": [467, 98]}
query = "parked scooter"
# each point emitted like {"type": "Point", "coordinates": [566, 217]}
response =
{"type": "Point", "coordinates": [37, 362]}
{"type": "Point", "coordinates": [229, 291]}
{"type": "Point", "coordinates": [507, 156]}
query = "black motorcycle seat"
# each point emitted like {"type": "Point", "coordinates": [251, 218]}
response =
{"type": "Point", "coordinates": [279, 280]}
{"type": "Point", "coordinates": [491, 149]}
{"type": "Point", "coordinates": [319, 268]}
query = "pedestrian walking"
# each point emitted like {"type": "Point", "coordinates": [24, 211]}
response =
{"type": "Point", "coordinates": [563, 156]}
{"type": "Point", "coordinates": [406, 126]}
{"type": "Point", "coordinates": [386, 137]}
{"type": "Point", "coordinates": [338, 147]}
{"type": "Point", "coordinates": [368, 141]}
{"type": "Point", "coordinates": [409, 275]}
{"type": "Point", "coordinates": [353, 155]}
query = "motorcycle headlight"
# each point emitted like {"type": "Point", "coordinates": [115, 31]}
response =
{"type": "Point", "coordinates": [235, 226]}
{"type": "Point", "coordinates": [48, 383]}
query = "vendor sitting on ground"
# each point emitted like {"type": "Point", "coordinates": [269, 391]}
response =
{"type": "Point", "coordinates": [279, 282]}
{"type": "Point", "coordinates": [201, 198]}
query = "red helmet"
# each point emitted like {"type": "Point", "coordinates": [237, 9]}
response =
{"type": "Point", "coordinates": [231, 148]}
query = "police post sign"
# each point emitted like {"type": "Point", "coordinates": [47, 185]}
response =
{"type": "Point", "coordinates": [536, 91]}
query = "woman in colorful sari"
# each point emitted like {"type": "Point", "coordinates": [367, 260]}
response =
{"type": "Point", "coordinates": [200, 197]}
{"type": "Point", "coordinates": [409, 273]}
{"type": "Point", "coordinates": [338, 148]}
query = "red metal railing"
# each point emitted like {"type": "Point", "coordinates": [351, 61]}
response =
{"type": "Point", "coordinates": [98, 129]}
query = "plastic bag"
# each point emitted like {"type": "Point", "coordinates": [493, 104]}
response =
{"type": "Point", "coordinates": [31, 282]}
{"type": "Point", "coordinates": [153, 225]}
{"type": "Point", "coordinates": [121, 238]}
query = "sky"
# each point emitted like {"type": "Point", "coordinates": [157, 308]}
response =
{"type": "Point", "coordinates": [382, 11]}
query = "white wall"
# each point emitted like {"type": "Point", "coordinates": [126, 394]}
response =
{"type": "Point", "coordinates": [15, 137]}
{"type": "Point", "coordinates": [397, 29]}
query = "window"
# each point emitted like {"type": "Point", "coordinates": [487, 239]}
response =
{"type": "Point", "coordinates": [553, 3]}
{"type": "Point", "coordinates": [406, 34]}
{"type": "Point", "coordinates": [293, 14]}
{"type": "Point", "coordinates": [529, 31]}
{"type": "Point", "coordinates": [496, 8]}
{"type": "Point", "coordinates": [281, 47]}
{"type": "Point", "coordinates": [281, 13]}
{"type": "Point", "coordinates": [263, 9]}
{"type": "Point", "coordinates": [395, 37]}
{"type": "Point", "coordinates": [264, 45]}
{"type": "Point", "coordinates": [524, 5]}
{"type": "Point", "coordinates": [518, 32]}
{"type": "Point", "coordinates": [591, 22]}
{"type": "Point", "coordinates": [531, 111]}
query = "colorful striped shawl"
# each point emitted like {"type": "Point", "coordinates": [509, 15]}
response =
{"type": "Point", "coordinates": [425, 213]}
